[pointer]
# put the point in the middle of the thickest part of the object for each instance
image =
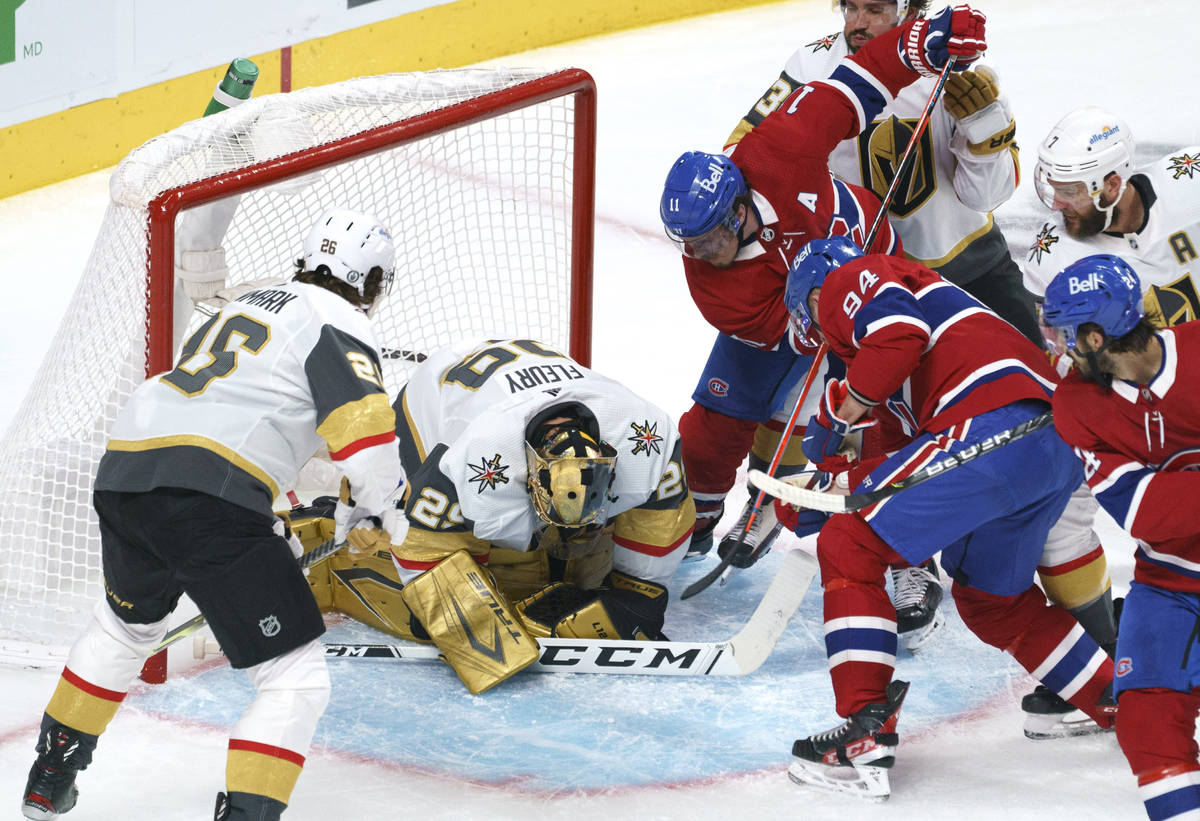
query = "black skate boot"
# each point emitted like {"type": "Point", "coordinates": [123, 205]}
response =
{"type": "Point", "coordinates": [855, 757]}
{"type": "Point", "coordinates": [62, 752]}
{"type": "Point", "coordinates": [917, 597]}
{"type": "Point", "coordinates": [702, 537]}
{"type": "Point", "coordinates": [1049, 715]}
{"type": "Point", "coordinates": [762, 535]}
{"type": "Point", "coordinates": [245, 806]}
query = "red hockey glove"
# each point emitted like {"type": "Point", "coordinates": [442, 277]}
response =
{"type": "Point", "coordinates": [826, 430]}
{"type": "Point", "coordinates": [953, 33]}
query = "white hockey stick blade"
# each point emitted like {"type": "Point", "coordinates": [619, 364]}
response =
{"type": "Point", "coordinates": [740, 655]}
{"type": "Point", "coordinates": [798, 496]}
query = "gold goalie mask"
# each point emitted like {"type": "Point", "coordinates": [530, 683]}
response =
{"type": "Point", "coordinates": [570, 474]}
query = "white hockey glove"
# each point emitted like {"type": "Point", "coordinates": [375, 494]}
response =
{"type": "Point", "coordinates": [366, 533]}
{"type": "Point", "coordinates": [283, 527]}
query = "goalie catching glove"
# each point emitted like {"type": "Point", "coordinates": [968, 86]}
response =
{"type": "Point", "coordinates": [625, 608]}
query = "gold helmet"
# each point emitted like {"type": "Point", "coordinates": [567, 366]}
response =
{"type": "Point", "coordinates": [570, 472]}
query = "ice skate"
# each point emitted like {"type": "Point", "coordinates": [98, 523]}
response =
{"type": "Point", "coordinates": [856, 756]}
{"type": "Point", "coordinates": [917, 597]}
{"type": "Point", "coordinates": [50, 790]}
{"type": "Point", "coordinates": [1049, 715]}
{"type": "Point", "coordinates": [762, 534]}
{"type": "Point", "coordinates": [702, 538]}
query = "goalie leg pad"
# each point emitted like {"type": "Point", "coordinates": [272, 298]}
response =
{"type": "Point", "coordinates": [470, 622]}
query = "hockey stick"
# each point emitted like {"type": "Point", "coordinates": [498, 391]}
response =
{"type": "Point", "coordinates": [712, 575]}
{"type": "Point", "coordinates": [738, 656]}
{"type": "Point", "coordinates": [836, 503]}
{"type": "Point", "coordinates": [317, 554]}
{"type": "Point", "coordinates": [885, 203]}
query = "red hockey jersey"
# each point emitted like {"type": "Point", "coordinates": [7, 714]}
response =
{"type": "Point", "coordinates": [785, 162]}
{"type": "Point", "coordinates": [1140, 446]}
{"type": "Point", "coordinates": [925, 351]}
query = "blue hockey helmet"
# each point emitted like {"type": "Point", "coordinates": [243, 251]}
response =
{"type": "Point", "coordinates": [816, 260]}
{"type": "Point", "coordinates": [700, 194]}
{"type": "Point", "coordinates": [1102, 289]}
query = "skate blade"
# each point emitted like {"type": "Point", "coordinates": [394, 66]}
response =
{"type": "Point", "coordinates": [870, 783]}
{"type": "Point", "coordinates": [1039, 727]}
{"type": "Point", "coordinates": [914, 640]}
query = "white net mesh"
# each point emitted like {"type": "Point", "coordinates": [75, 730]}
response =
{"type": "Point", "coordinates": [482, 219]}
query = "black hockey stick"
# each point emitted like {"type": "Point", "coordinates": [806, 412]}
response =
{"type": "Point", "coordinates": [837, 503]}
{"type": "Point", "coordinates": [737, 656]}
{"type": "Point", "coordinates": [319, 553]}
{"type": "Point", "coordinates": [886, 202]}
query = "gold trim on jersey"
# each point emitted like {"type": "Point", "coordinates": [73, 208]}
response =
{"type": "Point", "coordinates": [959, 247]}
{"type": "Point", "coordinates": [193, 441]}
{"type": "Point", "coordinates": [410, 423]}
{"type": "Point", "coordinates": [371, 415]}
{"type": "Point", "coordinates": [423, 547]}
{"type": "Point", "coordinates": [659, 530]}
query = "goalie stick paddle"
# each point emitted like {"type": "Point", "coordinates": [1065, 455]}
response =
{"type": "Point", "coordinates": [885, 204]}
{"type": "Point", "coordinates": [737, 656]}
{"type": "Point", "coordinates": [318, 554]}
{"type": "Point", "coordinates": [837, 503]}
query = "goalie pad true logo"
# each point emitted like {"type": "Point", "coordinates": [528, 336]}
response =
{"type": "Point", "coordinates": [269, 626]}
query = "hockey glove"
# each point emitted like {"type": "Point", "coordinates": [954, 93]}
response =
{"type": "Point", "coordinates": [349, 515]}
{"type": "Point", "coordinates": [626, 608]}
{"type": "Point", "coordinates": [953, 33]}
{"type": "Point", "coordinates": [801, 522]}
{"type": "Point", "coordinates": [826, 431]}
{"type": "Point", "coordinates": [973, 98]}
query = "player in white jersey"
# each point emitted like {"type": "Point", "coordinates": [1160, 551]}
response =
{"type": "Point", "coordinates": [965, 164]}
{"type": "Point", "coordinates": [564, 483]}
{"type": "Point", "coordinates": [1150, 216]}
{"type": "Point", "coordinates": [184, 497]}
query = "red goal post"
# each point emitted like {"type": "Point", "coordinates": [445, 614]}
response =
{"type": "Point", "coordinates": [486, 179]}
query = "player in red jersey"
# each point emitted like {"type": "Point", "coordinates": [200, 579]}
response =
{"type": "Point", "coordinates": [1131, 409]}
{"type": "Point", "coordinates": [739, 220]}
{"type": "Point", "coordinates": [939, 373]}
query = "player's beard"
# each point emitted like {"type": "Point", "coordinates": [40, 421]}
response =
{"type": "Point", "coordinates": [1086, 223]}
{"type": "Point", "coordinates": [850, 35]}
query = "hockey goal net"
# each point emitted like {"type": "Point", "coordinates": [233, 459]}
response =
{"type": "Point", "coordinates": [485, 177]}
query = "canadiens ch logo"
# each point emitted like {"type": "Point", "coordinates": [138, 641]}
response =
{"type": "Point", "coordinates": [645, 438]}
{"type": "Point", "coordinates": [1041, 245]}
{"type": "Point", "coordinates": [824, 44]}
{"type": "Point", "coordinates": [269, 626]}
{"type": "Point", "coordinates": [1123, 667]}
{"type": "Point", "coordinates": [488, 473]}
{"type": "Point", "coordinates": [1185, 164]}
{"type": "Point", "coordinates": [718, 387]}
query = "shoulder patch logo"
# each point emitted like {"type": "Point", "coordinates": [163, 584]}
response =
{"type": "Point", "coordinates": [1041, 245]}
{"type": "Point", "coordinates": [645, 438]}
{"type": "Point", "coordinates": [823, 44]}
{"type": "Point", "coordinates": [489, 473]}
{"type": "Point", "coordinates": [1185, 164]}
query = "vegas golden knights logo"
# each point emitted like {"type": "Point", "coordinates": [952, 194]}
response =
{"type": "Point", "coordinates": [1175, 303]}
{"type": "Point", "coordinates": [880, 148]}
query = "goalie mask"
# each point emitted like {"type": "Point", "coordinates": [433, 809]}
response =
{"type": "Point", "coordinates": [570, 473]}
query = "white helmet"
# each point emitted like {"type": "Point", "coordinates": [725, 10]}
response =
{"type": "Point", "coordinates": [348, 244]}
{"type": "Point", "coordinates": [1085, 146]}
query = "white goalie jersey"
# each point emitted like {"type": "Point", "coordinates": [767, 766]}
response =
{"type": "Point", "coordinates": [1164, 252]}
{"type": "Point", "coordinates": [947, 204]}
{"type": "Point", "coordinates": [461, 422]}
{"type": "Point", "coordinates": [255, 392]}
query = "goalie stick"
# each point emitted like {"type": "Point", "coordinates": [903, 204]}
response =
{"type": "Point", "coordinates": [837, 503]}
{"type": "Point", "coordinates": [885, 204]}
{"type": "Point", "coordinates": [318, 554]}
{"type": "Point", "coordinates": [737, 656]}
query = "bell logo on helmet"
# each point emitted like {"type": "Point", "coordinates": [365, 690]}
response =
{"type": "Point", "coordinates": [716, 173]}
{"type": "Point", "coordinates": [1077, 286]}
